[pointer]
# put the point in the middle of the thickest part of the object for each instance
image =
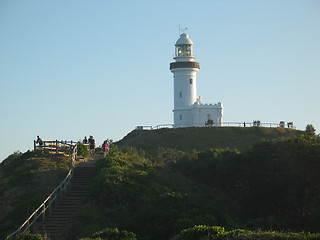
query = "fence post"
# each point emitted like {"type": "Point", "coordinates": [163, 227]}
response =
{"type": "Point", "coordinates": [56, 146]}
{"type": "Point", "coordinates": [34, 145]}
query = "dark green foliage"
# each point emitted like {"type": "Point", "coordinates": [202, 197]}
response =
{"type": "Point", "coordinates": [26, 180]}
{"type": "Point", "coordinates": [158, 196]}
{"type": "Point", "coordinates": [155, 195]}
{"type": "Point", "coordinates": [114, 234]}
{"type": "Point", "coordinates": [310, 130]}
{"type": "Point", "coordinates": [219, 233]}
{"type": "Point", "coordinates": [16, 161]}
{"type": "Point", "coordinates": [30, 236]}
{"type": "Point", "coordinates": [277, 182]}
{"type": "Point", "coordinates": [150, 201]}
{"type": "Point", "coordinates": [201, 232]}
{"type": "Point", "coordinates": [82, 150]}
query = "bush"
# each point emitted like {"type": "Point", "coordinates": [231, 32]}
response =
{"type": "Point", "coordinates": [30, 236]}
{"type": "Point", "coordinates": [310, 129]}
{"type": "Point", "coordinates": [200, 232]}
{"type": "Point", "coordinates": [215, 232]}
{"type": "Point", "coordinates": [82, 150]}
{"type": "Point", "coordinates": [112, 234]}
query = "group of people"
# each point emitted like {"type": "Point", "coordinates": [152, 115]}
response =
{"type": "Point", "coordinates": [92, 145]}
{"type": "Point", "coordinates": [90, 141]}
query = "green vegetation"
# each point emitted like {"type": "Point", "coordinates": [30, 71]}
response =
{"type": "Point", "coordinates": [26, 180]}
{"type": "Point", "coordinates": [245, 191]}
{"type": "Point", "coordinates": [113, 234]}
{"type": "Point", "coordinates": [31, 236]}
{"type": "Point", "coordinates": [82, 150]}
{"type": "Point", "coordinates": [210, 233]}
{"type": "Point", "coordinates": [201, 139]}
{"type": "Point", "coordinates": [134, 193]}
{"type": "Point", "coordinates": [273, 185]}
{"type": "Point", "coordinates": [310, 129]}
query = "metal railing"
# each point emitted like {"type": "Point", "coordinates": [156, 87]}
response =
{"type": "Point", "coordinates": [224, 124]}
{"type": "Point", "coordinates": [45, 206]}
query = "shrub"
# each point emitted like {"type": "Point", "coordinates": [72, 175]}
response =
{"type": "Point", "coordinates": [82, 150]}
{"type": "Point", "coordinates": [218, 233]}
{"type": "Point", "coordinates": [310, 129]}
{"type": "Point", "coordinates": [114, 234]}
{"type": "Point", "coordinates": [30, 236]}
{"type": "Point", "coordinates": [200, 232]}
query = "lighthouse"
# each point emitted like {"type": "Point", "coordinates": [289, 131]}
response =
{"type": "Point", "coordinates": [188, 110]}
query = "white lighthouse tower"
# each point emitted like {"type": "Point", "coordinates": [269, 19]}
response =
{"type": "Point", "coordinates": [188, 109]}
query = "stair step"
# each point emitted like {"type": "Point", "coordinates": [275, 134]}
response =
{"type": "Point", "coordinates": [54, 224]}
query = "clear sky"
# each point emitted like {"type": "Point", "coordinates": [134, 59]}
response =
{"type": "Point", "coordinates": [73, 68]}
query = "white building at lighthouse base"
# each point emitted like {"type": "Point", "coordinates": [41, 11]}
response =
{"type": "Point", "coordinates": [198, 114]}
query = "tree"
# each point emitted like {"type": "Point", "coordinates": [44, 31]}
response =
{"type": "Point", "coordinates": [310, 129]}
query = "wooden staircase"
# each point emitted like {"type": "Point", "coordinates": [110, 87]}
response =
{"type": "Point", "coordinates": [55, 225]}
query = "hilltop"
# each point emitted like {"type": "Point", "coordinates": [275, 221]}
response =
{"type": "Point", "coordinates": [231, 179]}
{"type": "Point", "coordinates": [272, 185]}
{"type": "Point", "coordinates": [186, 139]}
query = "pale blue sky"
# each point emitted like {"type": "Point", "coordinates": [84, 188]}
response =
{"type": "Point", "coordinates": [73, 68]}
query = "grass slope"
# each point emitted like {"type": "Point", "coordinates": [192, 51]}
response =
{"type": "Point", "coordinates": [186, 139]}
{"type": "Point", "coordinates": [25, 181]}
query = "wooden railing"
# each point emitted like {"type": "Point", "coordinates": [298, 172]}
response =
{"type": "Point", "coordinates": [45, 206]}
{"type": "Point", "coordinates": [54, 146]}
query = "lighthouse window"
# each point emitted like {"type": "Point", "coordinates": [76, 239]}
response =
{"type": "Point", "coordinates": [180, 117]}
{"type": "Point", "coordinates": [190, 80]}
{"type": "Point", "coordinates": [184, 50]}
{"type": "Point", "coordinates": [181, 94]}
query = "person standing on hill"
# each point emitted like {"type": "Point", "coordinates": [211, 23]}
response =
{"type": "Point", "coordinates": [85, 140]}
{"type": "Point", "coordinates": [40, 143]}
{"type": "Point", "coordinates": [105, 148]}
{"type": "Point", "coordinates": [91, 145]}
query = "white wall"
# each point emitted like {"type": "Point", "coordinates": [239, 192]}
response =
{"type": "Point", "coordinates": [182, 86]}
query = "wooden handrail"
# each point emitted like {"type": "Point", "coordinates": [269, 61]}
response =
{"type": "Point", "coordinates": [46, 204]}
{"type": "Point", "coordinates": [53, 146]}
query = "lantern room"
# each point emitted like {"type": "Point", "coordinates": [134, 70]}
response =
{"type": "Point", "coordinates": [184, 49]}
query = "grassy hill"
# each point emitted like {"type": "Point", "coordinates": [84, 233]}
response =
{"type": "Point", "coordinates": [273, 184]}
{"type": "Point", "coordinates": [25, 181]}
{"type": "Point", "coordinates": [186, 139]}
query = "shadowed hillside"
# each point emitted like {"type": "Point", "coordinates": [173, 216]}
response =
{"type": "Point", "coordinates": [176, 194]}
{"type": "Point", "coordinates": [185, 139]}
{"type": "Point", "coordinates": [25, 181]}
{"type": "Point", "coordinates": [273, 185]}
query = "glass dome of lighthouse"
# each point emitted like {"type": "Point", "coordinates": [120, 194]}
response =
{"type": "Point", "coordinates": [184, 48]}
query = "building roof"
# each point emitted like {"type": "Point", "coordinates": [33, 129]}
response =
{"type": "Point", "coordinates": [184, 39]}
